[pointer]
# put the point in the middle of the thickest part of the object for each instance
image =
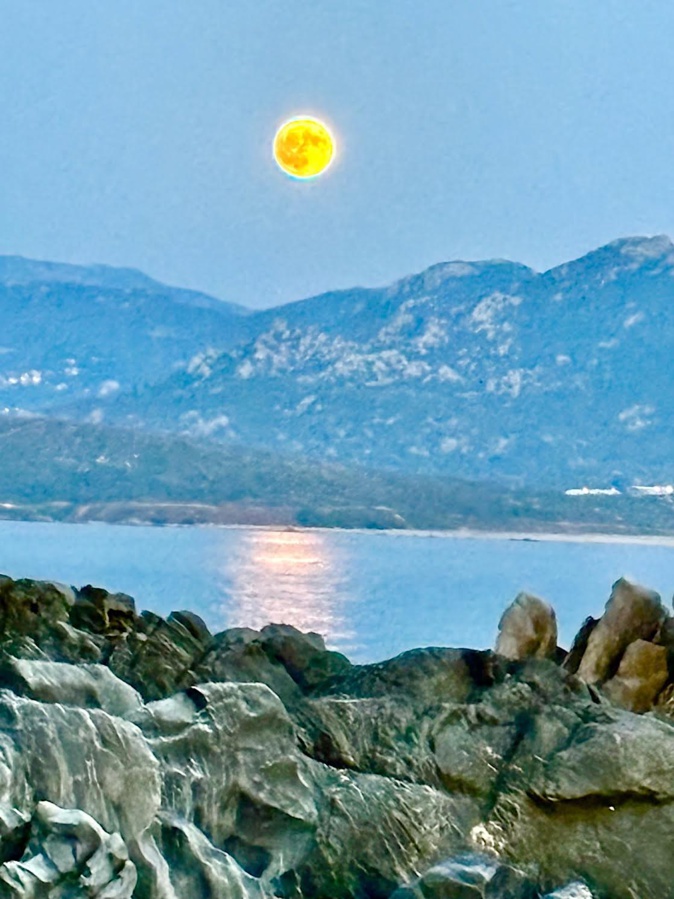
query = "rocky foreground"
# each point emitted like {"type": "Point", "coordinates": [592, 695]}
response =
{"type": "Point", "coordinates": [143, 757]}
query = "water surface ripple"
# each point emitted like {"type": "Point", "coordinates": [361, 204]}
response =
{"type": "Point", "coordinates": [372, 595]}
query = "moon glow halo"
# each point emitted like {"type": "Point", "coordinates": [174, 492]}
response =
{"type": "Point", "coordinates": [304, 147]}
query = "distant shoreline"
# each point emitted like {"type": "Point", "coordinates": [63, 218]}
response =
{"type": "Point", "coordinates": [562, 537]}
{"type": "Point", "coordinates": [517, 536]}
{"type": "Point", "coordinates": [461, 533]}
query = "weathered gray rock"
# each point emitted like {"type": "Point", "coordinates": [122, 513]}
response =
{"type": "Point", "coordinates": [304, 656]}
{"type": "Point", "coordinates": [470, 876]}
{"type": "Point", "coordinates": [97, 611]}
{"type": "Point", "coordinates": [260, 764]}
{"type": "Point", "coordinates": [576, 890]}
{"type": "Point", "coordinates": [87, 686]}
{"type": "Point", "coordinates": [592, 804]}
{"type": "Point", "coordinates": [377, 735]}
{"type": "Point", "coordinates": [527, 630]}
{"type": "Point", "coordinates": [383, 718]}
{"type": "Point", "coordinates": [30, 615]}
{"type": "Point", "coordinates": [69, 854]}
{"type": "Point", "coordinates": [374, 833]}
{"type": "Point", "coordinates": [643, 673]}
{"type": "Point", "coordinates": [78, 759]}
{"type": "Point", "coordinates": [290, 663]}
{"type": "Point", "coordinates": [238, 655]}
{"type": "Point", "coordinates": [160, 656]}
{"type": "Point", "coordinates": [472, 749]}
{"type": "Point", "coordinates": [197, 868]}
{"type": "Point", "coordinates": [641, 754]}
{"type": "Point", "coordinates": [632, 613]}
{"type": "Point", "coordinates": [230, 764]}
{"type": "Point", "coordinates": [465, 877]}
{"type": "Point", "coordinates": [421, 676]}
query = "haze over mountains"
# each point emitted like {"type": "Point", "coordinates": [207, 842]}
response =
{"type": "Point", "coordinates": [474, 370]}
{"type": "Point", "coordinates": [75, 331]}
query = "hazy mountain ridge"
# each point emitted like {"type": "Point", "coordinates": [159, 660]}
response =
{"type": "Point", "coordinates": [477, 370]}
{"type": "Point", "coordinates": [470, 369]}
{"type": "Point", "coordinates": [71, 332]}
{"type": "Point", "coordinates": [18, 270]}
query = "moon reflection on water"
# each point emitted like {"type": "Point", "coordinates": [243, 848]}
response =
{"type": "Point", "coordinates": [288, 577]}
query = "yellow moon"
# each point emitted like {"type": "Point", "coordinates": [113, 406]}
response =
{"type": "Point", "coordinates": [304, 147]}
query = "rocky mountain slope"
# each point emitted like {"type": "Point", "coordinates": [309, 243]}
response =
{"type": "Point", "coordinates": [71, 332]}
{"type": "Point", "coordinates": [482, 371]}
{"type": "Point", "coordinates": [146, 758]}
{"type": "Point", "coordinates": [478, 370]}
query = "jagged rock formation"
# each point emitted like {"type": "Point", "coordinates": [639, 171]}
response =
{"type": "Point", "coordinates": [528, 630]}
{"type": "Point", "coordinates": [632, 613]}
{"type": "Point", "coordinates": [146, 758]}
{"type": "Point", "coordinates": [68, 854]}
{"type": "Point", "coordinates": [629, 651]}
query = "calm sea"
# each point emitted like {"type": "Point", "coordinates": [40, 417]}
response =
{"type": "Point", "coordinates": [372, 595]}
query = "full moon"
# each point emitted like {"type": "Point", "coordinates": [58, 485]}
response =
{"type": "Point", "coordinates": [304, 147]}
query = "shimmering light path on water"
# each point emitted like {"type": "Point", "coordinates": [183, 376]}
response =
{"type": "Point", "coordinates": [371, 594]}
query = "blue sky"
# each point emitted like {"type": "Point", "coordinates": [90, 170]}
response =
{"type": "Point", "coordinates": [139, 133]}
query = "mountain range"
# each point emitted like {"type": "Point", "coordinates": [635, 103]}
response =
{"type": "Point", "coordinates": [71, 332]}
{"type": "Point", "coordinates": [469, 370]}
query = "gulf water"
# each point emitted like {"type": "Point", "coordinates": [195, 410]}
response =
{"type": "Point", "coordinates": [370, 594]}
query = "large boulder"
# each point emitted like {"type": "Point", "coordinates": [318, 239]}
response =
{"type": "Point", "coordinates": [230, 765]}
{"type": "Point", "coordinates": [289, 662]}
{"type": "Point", "coordinates": [34, 619]}
{"type": "Point", "coordinates": [632, 613]}
{"type": "Point", "coordinates": [616, 755]}
{"type": "Point", "coordinates": [527, 630]}
{"type": "Point", "coordinates": [588, 796]}
{"type": "Point", "coordinates": [375, 832]}
{"type": "Point", "coordinates": [383, 718]}
{"type": "Point", "coordinates": [88, 686]}
{"type": "Point", "coordinates": [471, 748]}
{"type": "Point", "coordinates": [422, 677]}
{"type": "Point", "coordinates": [100, 612]}
{"type": "Point", "coordinates": [32, 607]}
{"type": "Point", "coordinates": [237, 655]}
{"type": "Point", "coordinates": [382, 735]}
{"type": "Point", "coordinates": [642, 674]}
{"type": "Point", "coordinates": [304, 656]}
{"type": "Point", "coordinates": [160, 655]}
{"type": "Point", "coordinates": [78, 758]}
{"type": "Point", "coordinates": [47, 621]}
